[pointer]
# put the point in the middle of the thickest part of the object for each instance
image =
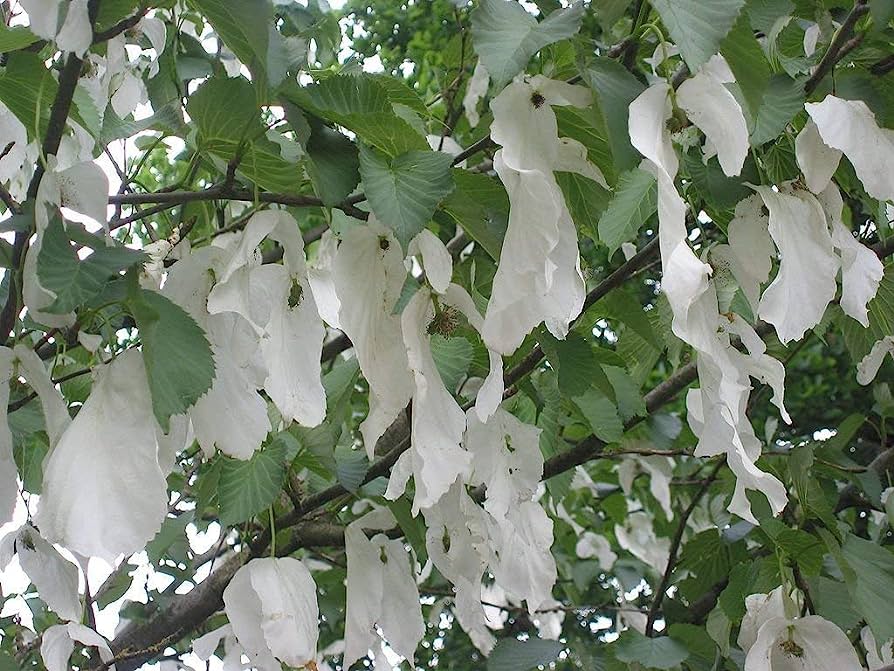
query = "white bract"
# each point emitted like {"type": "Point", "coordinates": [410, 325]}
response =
{"type": "Point", "coordinates": [476, 89]}
{"type": "Point", "coordinates": [55, 578]}
{"type": "Point", "coordinates": [637, 536]}
{"type": "Point", "coordinates": [850, 127]}
{"type": "Point", "coordinates": [272, 607]}
{"type": "Point", "coordinates": [759, 608]}
{"type": "Point", "coordinates": [869, 365]}
{"type": "Point", "coordinates": [591, 545]}
{"type": "Point", "coordinates": [67, 23]}
{"type": "Point", "coordinates": [711, 107]}
{"type": "Point", "coordinates": [876, 657]}
{"type": "Point", "coordinates": [55, 410]}
{"type": "Point", "coordinates": [367, 274]}
{"type": "Point", "coordinates": [861, 269]}
{"type": "Point", "coordinates": [660, 471]}
{"type": "Point", "coordinates": [506, 458]}
{"type": "Point", "coordinates": [278, 301]}
{"type": "Point", "coordinates": [13, 131]}
{"type": "Point", "coordinates": [817, 161]}
{"type": "Point", "coordinates": [805, 283]}
{"type": "Point", "coordinates": [104, 492]}
{"type": "Point", "coordinates": [58, 644]}
{"type": "Point", "coordinates": [83, 188]}
{"type": "Point", "coordinates": [381, 591]}
{"type": "Point", "coordinates": [810, 642]}
{"type": "Point", "coordinates": [539, 277]}
{"type": "Point", "coordinates": [436, 457]}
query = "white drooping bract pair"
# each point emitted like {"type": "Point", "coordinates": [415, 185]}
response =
{"type": "Point", "coordinates": [805, 228]}
{"type": "Point", "coordinates": [774, 638]}
{"type": "Point", "coordinates": [538, 279]}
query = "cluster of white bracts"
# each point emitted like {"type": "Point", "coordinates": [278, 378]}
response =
{"type": "Point", "coordinates": [805, 228]}
{"type": "Point", "coordinates": [357, 281]}
{"type": "Point", "coordinates": [265, 324]}
{"type": "Point", "coordinates": [113, 78]}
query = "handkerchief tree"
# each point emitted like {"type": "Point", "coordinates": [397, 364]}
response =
{"type": "Point", "coordinates": [446, 335]}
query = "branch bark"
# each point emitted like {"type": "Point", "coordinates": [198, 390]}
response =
{"type": "Point", "coordinates": [68, 81]}
{"type": "Point", "coordinates": [839, 47]}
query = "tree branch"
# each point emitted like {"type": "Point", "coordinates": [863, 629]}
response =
{"type": "Point", "coordinates": [123, 25]}
{"type": "Point", "coordinates": [68, 81]}
{"type": "Point", "coordinates": [675, 547]}
{"type": "Point", "coordinates": [613, 281]}
{"type": "Point", "coordinates": [839, 47]}
{"type": "Point", "coordinates": [221, 192]}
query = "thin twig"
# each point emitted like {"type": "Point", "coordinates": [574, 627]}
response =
{"type": "Point", "coordinates": [120, 27]}
{"type": "Point", "coordinates": [675, 547]}
{"type": "Point", "coordinates": [837, 50]}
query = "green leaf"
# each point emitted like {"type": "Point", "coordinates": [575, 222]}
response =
{"type": "Point", "coordinates": [882, 12]}
{"type": "Point", "coordinates": [404, 192]}
{"type": "Point", "coordinates": [698, 27]}
{"type": "Point", "coordinates": [8, 662]}
{"type": "Point", "coordinates": [246, 27]}
{"type": "Point", "coordinates": [574, 360]}
{"type": "Point", "coordinates": [362, 104]}
{"type": "Point", "coordinates": [264, 164]}
{"type": "Point", "coordinates": [407, 291]}
{"type": "Point", "coordinates": [480, 206]}
{"type": "Point", "coordinates": [587, 126]}
{"type": "Point", "coordinates": [601, 414]}
{"type": "Point", "coordinates": [832, 601]}
{"type": "Point", "coordinates": [112, 11]}
{"type": "Point", "coordinates": [630, 401]}
{"type": "Point", "coordinates": [28, 89]}
{"type": "Point", "coordinates": [718, 190]}
{"type": "Point", "coordinates": [586, 200]}
{"type": "Point", "coordinates": [224, 111]}
{"type": "Point", "coordinates": [635, 200]}
{"type": "Point", "coordinates": [859, 340]}
{"type": "Point", "coordinates": [120, 584]}
{"type": "Point", "coordinates": [168, 119]}
{"type": "Point", "coordinates": [228, 123]}
{"type": "Point", "coordinates": [506, 36]}
{"type": "Point", "coordinates": [350, 467]}
{"type": "Point", "coordinates": [514, 655]}
{"type": "Point", "coordinates": [29, 452]}
{"type": "Point", "coordinates": [706, 557]}
{"type": "Point", "coordinates": [15, 38]}
{"type": "Point", "coordinates": [176, 354]}
{"type": "Point", "coordinates": [621, 305]}
{"type": "Point", "coordinates": [247, 488]}
{"type": "Point", "coordinates": [763, 14]}
{"type": "Point", "coordinates": [171, 541]}
{"type": "Point", "coordinates": [73, 280]}
{"type": "Point", "coordinates": [413, 527]}
{"type": "Point", "coordinates": [783, 99]}
{"type": "Point", "coordinates": [661, 652]}
{"type": "Point", "coordinates": [452, 357]}
{"type": "Point", "coordinates": [746, 59]}
{"type": "Point", "coordinates": [871, 584]}
{"type": "Point", "coordinates": [333, 165]}
{"type": "Point", "coordinates": [615, 88]}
